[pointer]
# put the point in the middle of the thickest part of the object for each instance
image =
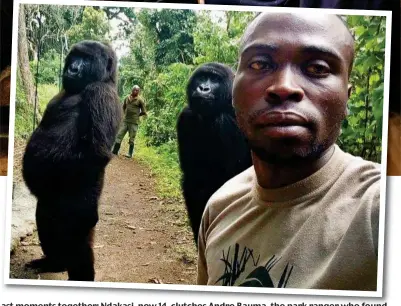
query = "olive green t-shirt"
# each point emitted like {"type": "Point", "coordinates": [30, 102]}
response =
{"type": "Point", "coordinates": [133, 108]}
{"type": "Point", "coordinates": [319, 233]}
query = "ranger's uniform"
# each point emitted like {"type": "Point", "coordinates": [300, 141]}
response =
{"type": "Point", "coordinates": [133, 108]}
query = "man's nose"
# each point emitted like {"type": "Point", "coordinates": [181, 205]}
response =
{"type": "Point", "coordinates": [284, 87]}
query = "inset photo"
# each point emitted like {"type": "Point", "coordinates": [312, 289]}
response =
{"type": "Point", "coordinates": [199, 148]}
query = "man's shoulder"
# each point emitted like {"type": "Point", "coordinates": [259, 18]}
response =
{"type": "Point", "coordinates": [362, 182]}
{"type": "Point", "coordinates": [359, 169]}
{"type": "Point", "coordinates": [361, 179]}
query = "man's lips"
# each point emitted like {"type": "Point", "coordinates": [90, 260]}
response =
{"type": "Point", "coordinates": [282, 124]}
{"type": "Point", "coordinates": [280, 119]}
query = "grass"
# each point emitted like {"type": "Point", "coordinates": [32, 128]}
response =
{"type": "Point", "coordinates": [45, 93]}
{"type": "Point", "coordinates": [24, 111]}
{"type": "Point", "coordinates": [23, 120]}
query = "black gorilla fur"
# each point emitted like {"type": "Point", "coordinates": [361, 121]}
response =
{"type": "Point", "coordinates": [212, 149]}
{"type": "Point", "coordinates": [66, 156]}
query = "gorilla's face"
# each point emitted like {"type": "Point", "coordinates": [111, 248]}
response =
{"type": "Point", "coordinates": [209, 89]}
{"type": "Point", "coordinates": [88, 62]}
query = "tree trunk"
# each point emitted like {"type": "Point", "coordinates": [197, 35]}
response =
{"type": "Point", "coordinates": [23, 60]}
{"type": "Point", "coordinates": [228, 16]}
{"type": "Point", "coordinates": [34, 53]}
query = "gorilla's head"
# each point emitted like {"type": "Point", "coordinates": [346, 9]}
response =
{"type": "Point", "coordinates": [88, 62]}
{"type": "Point", "coordinates": [209, 90]}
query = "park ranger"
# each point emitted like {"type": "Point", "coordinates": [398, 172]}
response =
{"type": "Point", "coordinates": [133, 108]}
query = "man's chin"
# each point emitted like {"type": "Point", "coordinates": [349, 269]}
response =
{"type": "Point", "coordinates": [288, 155]}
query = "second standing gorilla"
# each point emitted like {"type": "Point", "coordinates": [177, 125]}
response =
{"type": "Point", "coordinates": [212, 149]}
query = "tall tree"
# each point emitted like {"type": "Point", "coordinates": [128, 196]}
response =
{"type": "Point", "coordinates": [46, 26]}
{"type": "Point", "coordinates": [172, 33]}
{"type": "Point", "coordinates": [23, 60]}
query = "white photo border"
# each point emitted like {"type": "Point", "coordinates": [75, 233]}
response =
{"type": "Point", "coordinates": [147, 5]}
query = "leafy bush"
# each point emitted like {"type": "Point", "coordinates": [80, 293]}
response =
{"type": "Point", "coordinates": [163, 161]}
{"type": "Point", "coordinates": [49, 68]}
{"type": "Point", "coordinates": [24, 111]}
{"type": "Point", "coordinates": [362, 130]}
{"type": "Point", "coordinates": [165, 97]}
{"type": "Point", "coordinates": [23, 120]}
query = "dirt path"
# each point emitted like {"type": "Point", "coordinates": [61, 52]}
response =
{"type": "Point", "coordinates": [139, 237]}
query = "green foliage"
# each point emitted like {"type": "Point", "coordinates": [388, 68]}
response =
{"type": "Point", "coordinates": [94, 26]}
{"type": "Point", "coordinates": [23, 113]}
{"type": "Point", "coordinates": [213, 43]}
{"type": "Point", "coordinates": [46, 26]}
{"type": "Point", "coordinates": [219, 41]}
{"type": "Point", "coordinates": [136, 67]}
{"type": "Point", "coordinates": [362, 130]}
{"type": "Point", "coordinates": [20, 93]}
{"type": "Point", "coordinates": [171, 31]}
{"type": "Point", "coordinates": [23, 120]}
{"type": "Point", "coordinates": [49, 68]}
{"type": "Point", "coordinates": [163, 161]}
{"type": "Point", "coordinates": [166, 97]}
{"type": "Point", "coordinates": [45, 93]}
{"type": "Point", "coordinates": [237, 22]}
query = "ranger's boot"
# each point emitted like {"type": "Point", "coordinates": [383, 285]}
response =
{"type": "Point", "coordinates": [116, 148]}
{"type": "Point", "coordinates": [130, 151]}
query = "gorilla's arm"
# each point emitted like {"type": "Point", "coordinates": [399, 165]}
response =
{"type": "Point", "coordinates": [189, 144]}
{"type": "Point", "coordinates": [232, 140]}
{"type": "Point", "coordinates": [82, 128]}
{"type": "Point", "coordinates": [194, 147]}
{"type": "Point", "coordinates": [103, 114]}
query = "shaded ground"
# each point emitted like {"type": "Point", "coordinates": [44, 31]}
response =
{"type": "Point", "coordinates": [139, 237]}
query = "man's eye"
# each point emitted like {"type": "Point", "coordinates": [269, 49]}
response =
{"type": "Point", "coordinates": [259, 65]}
{"type": "Point", "coordinates": [318, 70]}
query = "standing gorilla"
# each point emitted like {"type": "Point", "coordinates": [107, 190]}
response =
{"type": "Point", "coordinates": [66, 156]}
{"type": "Point", "coordinates": [211, 147]}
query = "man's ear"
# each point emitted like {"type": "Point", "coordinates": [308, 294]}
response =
{"type": "Point", "coordinates": [349, 90]}
{"type": "Point", "coordinates": [347, 112]}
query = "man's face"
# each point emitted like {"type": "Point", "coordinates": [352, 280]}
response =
{"type": "Point", "coordinates": [291, 86]}
{"type": "Point", "coordinates": [135, 92]}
